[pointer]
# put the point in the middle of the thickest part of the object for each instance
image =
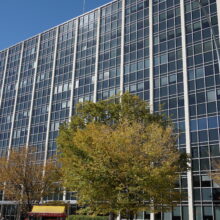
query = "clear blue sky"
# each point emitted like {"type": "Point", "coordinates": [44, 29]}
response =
{"type": "Point", "coordinates": [21, 19]}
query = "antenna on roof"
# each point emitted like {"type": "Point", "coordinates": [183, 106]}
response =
{"type": "Point", "coordinates": [84, 5]}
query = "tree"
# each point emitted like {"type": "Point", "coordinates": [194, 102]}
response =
{"type": "Point", "coordinates": [25, 180]}
{"type": "Point", "coordinates": [120, 158]}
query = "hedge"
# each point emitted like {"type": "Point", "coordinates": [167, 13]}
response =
{"type": "Point", "coordinates": [86, 217]}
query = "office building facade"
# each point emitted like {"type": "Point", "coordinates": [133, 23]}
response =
{"type": "Point", "coordinates": [165, 51]}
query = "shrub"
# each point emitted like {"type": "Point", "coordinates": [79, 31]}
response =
{"type": "Point", "coordinates": [86, 217]}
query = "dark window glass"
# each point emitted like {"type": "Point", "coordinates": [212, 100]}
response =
{"type": "Point", "coordinates": [202, 123]}
{"type": "Point", "coordinates": [216, 194]}
{"type": "Point", "coordinates": [213, 122]}
{"type": "Point", "coordinates": [192, 110]}
{"type": "Point", "coordinates": [209, 81]}
{"type": "Point", "coordinates": [211, 107]}
{"type": "Point", "coordinates": [205, 181]}
{"type": "Point", "coordinates": [195, 152]}
{"type": "Point", "coordinates": [200, 97]}
{"type": "Point", "coordinates": [213, 134]}
{"type": "Point", "coordinates": [206, 194]}
{"type": "Point", "coordinates": [196, 181]}
{"type": "Point", "coordinates": [204, 151]}
{"type": "Point", "coordinates": [193, 125]}
{"type": "Point", "coordinates": [196, 194]}
{"type": "Point", "coordinates": [201, 109]}
{"type": "Point", "coordinates": [214, 150]}
{"type": "Point", "coordinates": [195, 165]}
{"type": "Point", "coordinates": [203, 137]}
{"type": "Point", "coordinates": [204, 164]}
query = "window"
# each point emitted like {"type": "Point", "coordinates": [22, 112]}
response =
{"type": "Point", "coordinates": [93, 79]}
{"type": "Point", "coordinates": [196, 26]}
{"type": "Point", "coordinates": [211, 96]}
{"type": "Point", "coordinates": [163, 59]}
{"type": "Point", "coordinates": [200, 72]}
{"type": "Point", "coordinates": [202, 123]}
{"type": "Point", "coordinates": [218, 93]}
{"type": "Point", "coordinates": [65, 87]}
{"type": "Point", "coordinates": [156, 60]}
{"type": "Point", "coordinates": [193, 125]}
{"type": "Point", "coordinates": [77, 84]}
{"type": "Point", "coordinates": [156, 40]}
{"type": "Point", "coordinates": [132, 88]}
{"type": "Point", "coordinates": [214, 150]}
{"type": "Point", "coordinates": [172, 78]}
{"type": "Point", "coordinates": [106, 75]}
{"type": "Point", "coordinates": [60, 87]}
{"type": "Point", "coordinates": [212, 122]}
{"type": "Point", "coordinates": [163, 80]}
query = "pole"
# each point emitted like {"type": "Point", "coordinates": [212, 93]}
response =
{"type": "Point", "coordinates": [84, 5]}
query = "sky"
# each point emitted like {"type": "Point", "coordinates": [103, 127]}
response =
{"type": "Point", "coordinates": [21, 19]}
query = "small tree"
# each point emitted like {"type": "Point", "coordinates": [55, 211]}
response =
{"type": "Point", "coordinates": [25, 180]}
{"type": "Point", "coordinates": [120, 158]}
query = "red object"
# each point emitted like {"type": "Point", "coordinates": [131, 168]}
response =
{"type": "Point", "coordinates": [47, 214]}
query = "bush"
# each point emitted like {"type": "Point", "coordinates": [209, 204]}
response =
{"type": "Point", "coordinates": [86, 217]}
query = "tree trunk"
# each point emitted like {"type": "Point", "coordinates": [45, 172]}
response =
{"type": "Point", "coordinates": [130, 215]}
{"type": "Point", "coordinates": [111, 216]}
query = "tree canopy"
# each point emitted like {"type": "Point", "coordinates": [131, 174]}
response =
{"type": "Point", "coordinates": [120, 158]}
{"type": "Point", "coordinates": [26, 180]}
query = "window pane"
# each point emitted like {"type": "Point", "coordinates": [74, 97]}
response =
{"type": "Point", "coordinates": [211, 96]}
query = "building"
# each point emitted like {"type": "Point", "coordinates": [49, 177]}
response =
{"type": "Point", "coordinates": [165, 51]}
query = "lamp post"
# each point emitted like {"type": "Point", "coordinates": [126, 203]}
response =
{"type": "Point", "coordinates": [216, 41]}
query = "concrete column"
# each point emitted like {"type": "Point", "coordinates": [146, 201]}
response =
{"type": "Point", "coordinates": [218, 14]}
{"type": "Point", "coordinates": [97, 56]}
{"type": "Point", "coordinates": [122, 47]}
{"type": "Point", "coordinates": [151, 62]}
{"type": "Point", "coordinates": [151, 46]}
{"type": "Point", "coordinates": [186, 109]}
{"type": "Point", "coordinates": [74, 68]}
{"type": "Point", "coordinates": [3, 79]}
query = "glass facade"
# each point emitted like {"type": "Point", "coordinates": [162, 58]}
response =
{"type": "Point", "coordinates": [164, 51]}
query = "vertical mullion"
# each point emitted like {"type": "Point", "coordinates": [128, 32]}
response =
{"type": "Point", "coordinates": [74, 69]}
{"type": "Point", "coordinates": [51, 96]}
{"type": "Point", "coordinates": [186, 109]}
{"type": "Point", "coordinates": [33, 91]}
{"type": "Point", "coordinates": [218, 15]}
{"type": "Point", "coordinates": [151, 63]}
{"type": "Point", "coordinates": [151, 43]}
{"type": "Point", "coordinates": [16, 99]}
{"type": "Point", "coordinates": [4, 76]}
{"type": "Point", "coordinates": [122, 48]}
{"type": "Point", "coordinates": [97, 56]}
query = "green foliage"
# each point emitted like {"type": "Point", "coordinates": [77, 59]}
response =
{"type": "Point", "coordinates": [86, 217]}
{"type": "Point", "coordinates": [119, 157]}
